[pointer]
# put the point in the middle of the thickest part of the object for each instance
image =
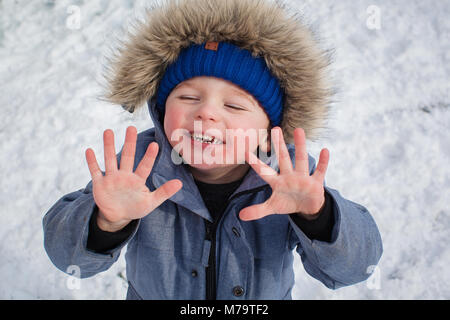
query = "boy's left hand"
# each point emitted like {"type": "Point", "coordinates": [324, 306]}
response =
{"type": "Point", "coordinates": [293, 190]}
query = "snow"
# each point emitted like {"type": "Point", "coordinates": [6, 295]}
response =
{"type": "Point", "coordinates": [388, 135]}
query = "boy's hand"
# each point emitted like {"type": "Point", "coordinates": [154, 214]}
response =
{"type": "Point", "coordinates": [121, 194]}
{"type": "Point", "coordinates": [293, 190]}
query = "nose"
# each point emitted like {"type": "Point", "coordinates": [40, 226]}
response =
{"type": "Point", "coordinates": [206, 111]}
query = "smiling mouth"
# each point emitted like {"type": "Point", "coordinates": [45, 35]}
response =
{"type": "Point", "coordinates": [203, 138]}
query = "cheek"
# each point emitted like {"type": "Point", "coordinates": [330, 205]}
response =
{"type": "Point", "coordinates": [173, 120]}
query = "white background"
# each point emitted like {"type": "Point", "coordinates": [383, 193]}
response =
{"type": "Point", "coordinates": [388, 135]}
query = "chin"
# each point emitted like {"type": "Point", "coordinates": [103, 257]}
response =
{"type": "Point", "coordinates": [211, 163]}
{"type": "Point", "coordinates": [207, 167]}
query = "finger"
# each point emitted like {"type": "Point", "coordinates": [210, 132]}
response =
{"type": "Point", "coordinates": [129, 150]}
{"type": "Point", "coordinates": [145, 166]}
{"type": "Point", "coordinates": [110, 152]}
{"type": "Point", "coordinates": [301, 156]}
{"type": "Point", "coordinates": [322, 166]}
{"type": "Point", "coordinates": [255, 212]}
{"type": "Point", "coordinates": [282, 153]}
{"type": "Point", "coordinates": [262, 169]}
{"type": "Point", "coordinates": [92, 163]}
{"type": "Point", "coordinates": [165, 191]}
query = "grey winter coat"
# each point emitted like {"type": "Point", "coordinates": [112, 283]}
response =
{"type": "Point", "coordinates": [255, 257]}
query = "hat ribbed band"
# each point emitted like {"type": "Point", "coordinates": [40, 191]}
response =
{"type": "Point", "coordinates": [230, 63]}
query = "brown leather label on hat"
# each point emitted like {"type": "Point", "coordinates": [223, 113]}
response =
{"type": "Point", "coordinates": [212, 45]}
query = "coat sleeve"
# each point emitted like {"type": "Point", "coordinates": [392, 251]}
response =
{"type": "Point", "coordinates": [355, 246]}
{"type": "Point", "coordinates": [66, 228]}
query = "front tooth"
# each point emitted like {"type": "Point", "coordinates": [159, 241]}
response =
{"type": "Point", "coordinates": [207, 138]}
{"type": "Point", "coordinates": [202, 137]}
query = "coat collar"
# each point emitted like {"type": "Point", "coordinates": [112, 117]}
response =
{"type": "Point", "coordinates": [164, 169]}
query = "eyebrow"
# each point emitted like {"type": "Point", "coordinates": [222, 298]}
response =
{"type": "Point", "coordinates": [241, 94]}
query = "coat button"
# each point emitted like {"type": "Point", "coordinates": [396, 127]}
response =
{"type": "Point", "coordinates": [238, 291]}
{"type": "Point", "coordinates": [236, 232]}
{"type": "Point", "coordinates": [194, 273]}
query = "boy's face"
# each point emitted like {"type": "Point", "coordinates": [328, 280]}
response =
{"type": "Point", "coordinates": [216, 108]}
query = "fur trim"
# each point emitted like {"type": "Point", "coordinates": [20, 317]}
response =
{"type": "Point", "coordinates": [262, 27]}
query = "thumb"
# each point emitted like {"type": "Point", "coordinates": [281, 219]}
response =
{"type": "Point", "coordinates": [164, 192]}
{"type": "Point", "coordinates": [255, 212]}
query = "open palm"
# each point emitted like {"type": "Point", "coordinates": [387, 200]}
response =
{"type": "Point", "coordinates": [121, 194]}
{"type": "Point", "coordinates": [293, 190]}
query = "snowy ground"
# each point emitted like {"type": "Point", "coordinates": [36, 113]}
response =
{"type": "Point", "coordinates": [388, 135]}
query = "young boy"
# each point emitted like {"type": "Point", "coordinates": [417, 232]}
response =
{"type": "Point", "coordinates": [212, 201]}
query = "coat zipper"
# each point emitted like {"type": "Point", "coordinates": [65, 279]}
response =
{"type": "Point", "coordinates": [211, 228]}
{"type": "Point", "coordinates": [211, 268]}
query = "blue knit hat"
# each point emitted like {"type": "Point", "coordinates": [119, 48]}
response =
{"type": "Point", "coordinates": [227, 61]}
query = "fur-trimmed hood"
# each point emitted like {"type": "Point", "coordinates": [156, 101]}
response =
{"type": "Point", "coordinates": [262, 27]}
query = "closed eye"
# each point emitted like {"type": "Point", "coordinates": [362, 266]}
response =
{"type": "Point", "coordinates": [188, 98]}
{"type": "Point", "coordinates": [234, 107]}
{"type": "Point", "coordinates": [196, 99]}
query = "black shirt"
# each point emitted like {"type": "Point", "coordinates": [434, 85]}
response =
{"type": "Point", "coordinates": [215, 196]}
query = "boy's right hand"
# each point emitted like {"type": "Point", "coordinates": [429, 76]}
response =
{"type": "Point", "coordinates": [121, 194]}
